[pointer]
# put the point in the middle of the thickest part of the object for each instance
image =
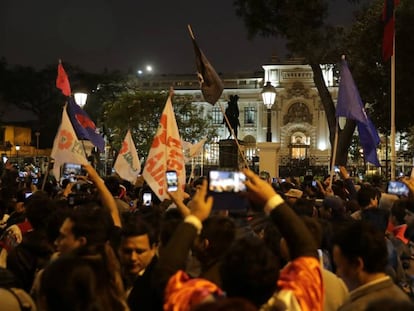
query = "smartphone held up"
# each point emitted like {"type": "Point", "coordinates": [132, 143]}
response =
{"type": "Point", "coordinates": [172, 181]}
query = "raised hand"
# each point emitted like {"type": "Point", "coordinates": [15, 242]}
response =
{"type": "Point", "coordinates": [201, 204]}
{"type": "Point", "coordinates": [259, 190]}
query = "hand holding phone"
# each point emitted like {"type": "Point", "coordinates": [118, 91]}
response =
{"type": "Point", "coordinates": [398, 188]}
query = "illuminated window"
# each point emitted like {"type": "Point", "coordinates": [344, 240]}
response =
{"type": "Point", "coordinates": [249, 116]}
{"type": "Point", "coordinates": [216, 116]}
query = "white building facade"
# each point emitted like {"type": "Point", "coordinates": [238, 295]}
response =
{"type": "Point", "coordinates": [298, 120]}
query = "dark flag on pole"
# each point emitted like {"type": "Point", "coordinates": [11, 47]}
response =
{"type": "Point", "coordinates": [350, 106]}
{"type": "Point", "coordinates": [62, 81]}
{"type": "Point", "coordinates": [210, 83]}
{"type": "Point", "coordinates": [83, 125]}
{"type": "Point", "coordinates": [389, 28]}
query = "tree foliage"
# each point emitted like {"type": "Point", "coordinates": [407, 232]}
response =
{"type": "Point", "coordinates": [140, 111]}
{"type": "Point", "coordinates": [372, 75]}
{"type": "Point", "coordinates": [303, 25]}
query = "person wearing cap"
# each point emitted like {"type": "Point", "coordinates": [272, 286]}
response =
{"type": "Point", "coordinates": [293, 195]}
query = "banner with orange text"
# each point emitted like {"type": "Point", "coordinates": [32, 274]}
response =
{"type": "Point", "coordinates": [166, 154]}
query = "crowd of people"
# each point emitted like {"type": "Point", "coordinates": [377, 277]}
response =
{"type": "Point", "coordinates": [95, 244]}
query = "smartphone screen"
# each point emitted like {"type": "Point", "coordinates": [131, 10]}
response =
{"type": "Point", "coordinates": [70, 170]}
{"type": "Point", "coordinates": [226, 181]}
{"type": "Point", "coordinates": [172, 180]}
{"type": "Point", "coordinates": [147, 198]}
{"type": "Point", "coordinates": [398, 188]}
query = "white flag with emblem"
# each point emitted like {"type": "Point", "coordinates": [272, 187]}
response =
{"type": "Point", "coordinates": [127, 164]}
{"type": "Point", "coordinates": [66, 146]}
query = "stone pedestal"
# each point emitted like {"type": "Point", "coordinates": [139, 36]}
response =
{"type": "Point", "coordinates": [229, 156]}
{"type": "Point", "coordinates": [269, 158]}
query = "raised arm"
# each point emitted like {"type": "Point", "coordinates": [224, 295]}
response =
{"type": "Point", "coordinates": [106, 197]}
{"type": "Point", "coordinates": [175, 253]}
{"type": "Point", "coordinates": [292, 228]}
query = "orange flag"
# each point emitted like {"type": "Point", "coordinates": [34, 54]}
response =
{"type": "Point", "coordinates": [62, 81]}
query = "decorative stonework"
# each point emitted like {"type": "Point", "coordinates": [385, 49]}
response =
{"type": "Point", "coordinates": [297, 90]}
{"type": "Point", "coordinates": [297, 113]}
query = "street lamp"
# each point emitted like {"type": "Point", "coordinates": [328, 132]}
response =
{"type": "Point", "coordinates": [17, 152]}
{"type": "Point", "coordinates": [269, 96]}
{"type": "Point", "coordinates": [80, 99]}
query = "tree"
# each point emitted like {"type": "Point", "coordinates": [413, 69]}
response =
{"type": "Point", "coordinates": [302, 24]}
{"type": "Point", "coordinates": [141, 111]}
{"type": "Point", "coordinates": [35, 91]}
{"type": "Point", "coordinates": [363, 45]}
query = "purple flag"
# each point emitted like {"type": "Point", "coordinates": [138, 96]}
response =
{"type": "Point", "coordinates": [350, 105]}
{"type": "Point", "coordinates": [83, 125]}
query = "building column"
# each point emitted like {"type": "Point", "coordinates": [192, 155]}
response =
{"type": "Point", "coordinates": [269, 158]}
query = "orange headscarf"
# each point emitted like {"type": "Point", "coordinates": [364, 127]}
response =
{"type": "Point", "coordinates": [303, 276]}
{"type": "Point", "coordinates": [183, 292]}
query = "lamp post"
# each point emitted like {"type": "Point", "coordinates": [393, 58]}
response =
{"type": "Point", "coordinates": [269, 96]}
{"type": "Point", "coordinates": [17, 153]}
{"type": "Point", "coordinates": [37, 134]}
{"type": "Point", "coordinates": [80, 99]}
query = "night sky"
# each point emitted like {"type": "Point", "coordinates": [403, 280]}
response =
{"type": "Point", "coordinates": [129, 34]}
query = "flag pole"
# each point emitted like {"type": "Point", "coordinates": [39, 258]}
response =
{"type": "Point", "coordinates": [192, 172]}
{"type": "Point", "coordinates": [392, 138]}
{"type": "Point", "coordinates": [335, 148]}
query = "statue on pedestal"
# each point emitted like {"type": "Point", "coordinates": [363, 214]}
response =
{"type": "Point", "coordinates": [232, 114]}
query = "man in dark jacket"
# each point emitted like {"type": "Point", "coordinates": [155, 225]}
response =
{"type": "Point", "coordinates": [137, 254]}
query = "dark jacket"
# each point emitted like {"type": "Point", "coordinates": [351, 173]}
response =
{"type": "Point", "coordinates": [144, 294]}
{"type": "Point", "coordinates": [31, 255]}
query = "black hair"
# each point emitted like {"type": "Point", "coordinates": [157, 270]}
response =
{"type": "Point", "coordinates": [303, 207]}
{"type": "Point", "coordinates": [366, 194]}
{"type": "Point", "coordinates": [112, 183]}
{"type": "Point", "coordinates": [315, 228]}
{"type": "Point", "coordinates": [249, 270]}
{"type": "Point", "coordinates": [39, 208]}
{"type": "Point", "coordinates": [376, 217]}
{"type": "Point", "coordinates": [398, 210]}
{"type": "Point", "coordinates": [135, 226]}
{"type": "Point", "coordinates": [220, 231]}
{"type": "Point", "coordinates": [71, 283]}
{"type": "Point", "coordinates": [170, 221]}
{"type": "Point", "coordinates": [360, 239]}
{"type": "Point", "coordinates": [93, 222]}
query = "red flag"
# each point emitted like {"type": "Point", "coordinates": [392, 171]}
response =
{"type": "Point", "coordinates": [389, 23]}
{"type": "Point", "coordinates": [62, 81]}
